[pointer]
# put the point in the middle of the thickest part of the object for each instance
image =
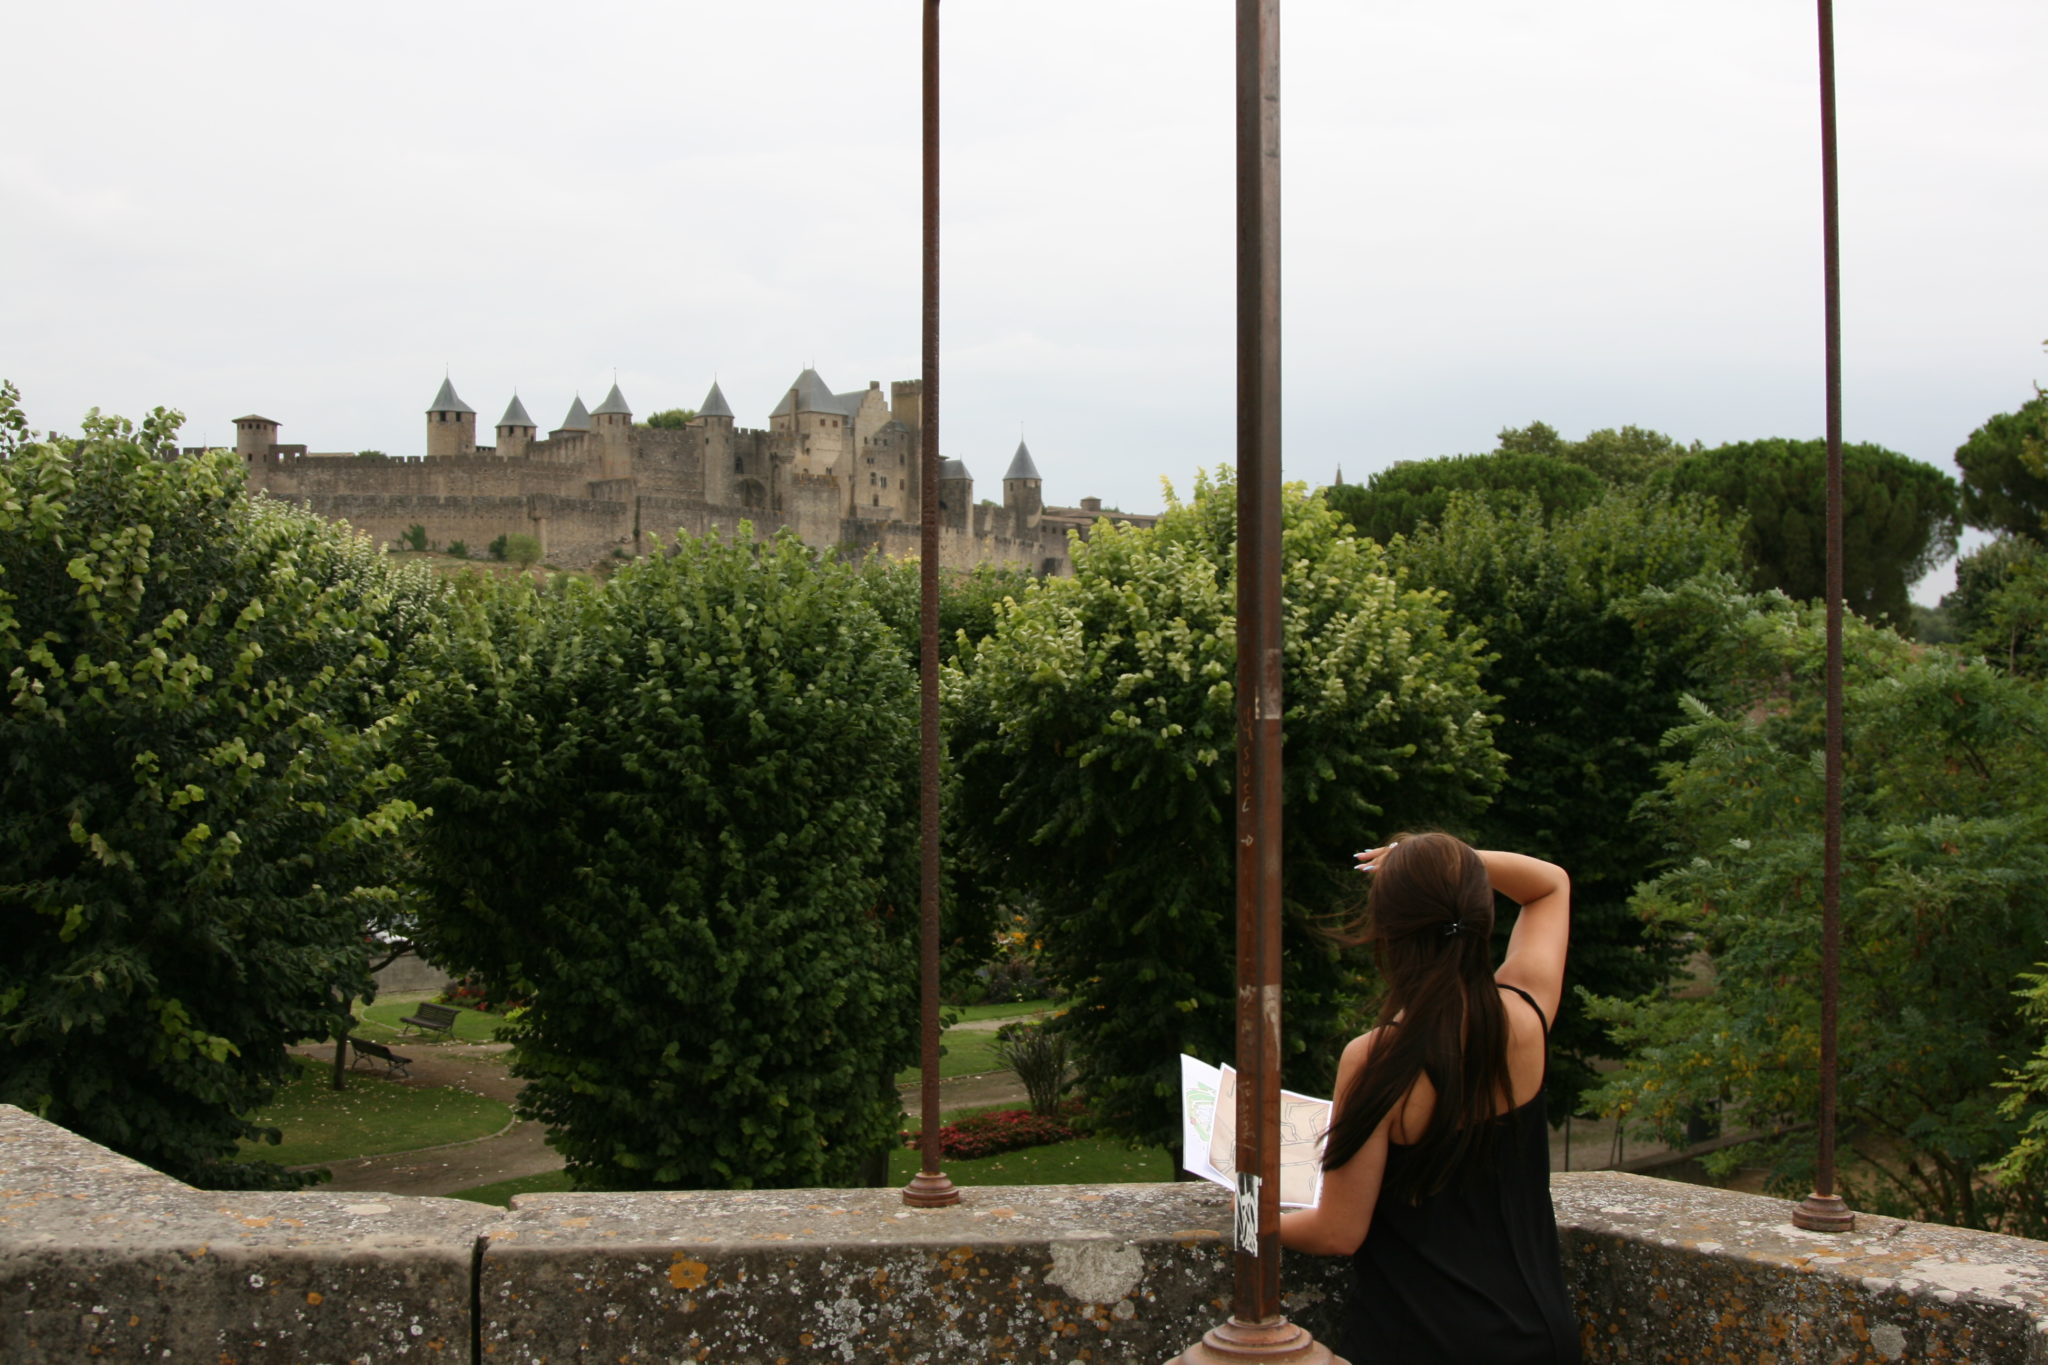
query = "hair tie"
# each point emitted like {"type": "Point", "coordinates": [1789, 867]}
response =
{"type": "Point", "coordinates": [1454, 928]}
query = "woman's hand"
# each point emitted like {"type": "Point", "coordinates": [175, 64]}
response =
{"type": "Point", "coordinates": [1369, 859]}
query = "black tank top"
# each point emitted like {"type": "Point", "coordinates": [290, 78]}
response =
{"type": "Point", "coordinates": [1469, 1275]}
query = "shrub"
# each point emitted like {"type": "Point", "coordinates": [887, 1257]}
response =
{"type": "Point", "coordinates": [1039, 1057]}
{"type": "Point", "coordinates": [1095, 730]}
{"type": "Point", "coordinates": [676, 814]}
{"type": "Point", "coordinates": [522, 550]}
{"type": "Point", "coordinates": [459, 548]}
{"type": "Point", "coordinates": [1002, 1130]}
{"type": "Point", "coordinates": [415, 537]}
{"type": "Point", "coordinates": [496, 549]}
{"type": "Point", "coordinates": [198, 815]}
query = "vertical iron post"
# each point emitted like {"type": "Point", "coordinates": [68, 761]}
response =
{"type": "Point", "coordinates": [1823, 1210]}
{"type": "Point", "coordinates": [929, 1188]}
{"type": "Point", "coordinates": [1256, 1329]}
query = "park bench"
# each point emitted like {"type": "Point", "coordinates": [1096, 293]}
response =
{"type": "Point", "coordinates": [394, 1065]}
{"type": "Point", "coordinates": [437, 1018]}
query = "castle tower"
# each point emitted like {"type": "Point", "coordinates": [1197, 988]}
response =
{"type": "Point", "coordinates": [1023, 490]}
{"type": "Point", "coordinates": [715, 407]}
{"type": "Point", "coordinates": [956, 493]}
{"type": "Point", "coordinates": [451, 424]}
{"type": "Point", "coordinates": [254, 436]}
{"type": "Point", "coordinates": [612, 423]}
{"type": "Point", "coordinates": [515, 429]}
{"type": "Point", "coordinates": [724, 466]}
{"type": "Point", "coordinates": [576, 423]}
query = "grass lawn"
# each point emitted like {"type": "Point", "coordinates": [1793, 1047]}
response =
{"type": "Point", "coordinates": [379, 1022]}
{"type": "Point", "coordinates": [501, 1192]}
{"type": "Point", "coordinates": [1084, 1161]}
{"type": "Point", "coordinates": [971, 1051]}
{"type": "Point", "coordinates": [373, 1116]}
{"type": "Point", "coordinates": [1016, 1009]}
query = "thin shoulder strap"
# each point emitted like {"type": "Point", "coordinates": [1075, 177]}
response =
{"type": "Point", "coordinates": [1532, 1005]}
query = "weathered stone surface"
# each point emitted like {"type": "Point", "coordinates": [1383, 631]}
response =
{"type": "Point", "coordinates": [100, 1256]}
{"type": "Point", "coordinates": [1044, 1273]}
{"type": "Point", "coordinates": [1680, 1273]}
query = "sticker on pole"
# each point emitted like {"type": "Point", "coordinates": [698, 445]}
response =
{"type": "Point", "coordinates": [1247, 1213]}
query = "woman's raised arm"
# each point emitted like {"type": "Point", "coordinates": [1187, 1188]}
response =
{"type": "Point", "coordinates": [1536, 949]}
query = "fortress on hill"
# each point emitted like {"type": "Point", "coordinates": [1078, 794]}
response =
{"type": "Point", "coordinates": [839, 469]}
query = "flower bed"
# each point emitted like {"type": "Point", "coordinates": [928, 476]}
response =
{"type": "Point", "coordinates": [1003, 1130]}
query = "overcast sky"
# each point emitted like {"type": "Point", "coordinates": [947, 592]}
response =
{"type": "Point", "coordinates": [1496, 211]}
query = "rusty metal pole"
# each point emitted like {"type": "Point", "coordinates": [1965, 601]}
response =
{"type": "Point", "coordinates": [929, 1188]}
{"type": "Point", "coordinates": [1823, 1210]}
{"type": "Point", "coordinates": [1256, 1329]}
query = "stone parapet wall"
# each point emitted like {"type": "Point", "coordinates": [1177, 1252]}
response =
{"type": "Point", "coordinates": [101, 1256]}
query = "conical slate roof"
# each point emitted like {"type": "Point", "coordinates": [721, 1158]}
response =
{"type": "Point", "coordinates": [811, 394]}
{"type": "Point", "coordinates": [446, 401]}
{"type": "Point", "coordinates": [715, 404]}
{"type": "Point", "coordinates": [515, 414]}
{"type": "Point", "coordinates": [578, 418]}
{"type": "Point", "coordinates": [614, 402]}
{"type": "Point", "coordinates": [1021, 467]}
{"type": "Point", "coordinates": [953, 469]}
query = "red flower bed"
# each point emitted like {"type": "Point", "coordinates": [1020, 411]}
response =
{"type": "Point", "coordinates": [1001, 1130]}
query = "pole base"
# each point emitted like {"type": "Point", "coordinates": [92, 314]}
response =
{"type": "Point", "coordinates": [930, 1190]}
{"type": "Point", "coordinates": [1275, 1341]}
{"type": "Point", "coordinates": [1823, 1213]}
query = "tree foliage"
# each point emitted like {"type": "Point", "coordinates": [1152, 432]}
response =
{"type": "Point", "coordinates": [1616, 456]}
{"type": "Point", "coordinates": [1094, 734]}
{"type": "Point", "coordinates": [198, 805]}
{"type": "Point", "coordinates": [2001, 491]}
{"type": "Point", "coordinates": [1944, 905]}
{"type": "Point", "coordinates": [670, 419]}
{"type": "Point", "coordinates": [1588, 653]}
{"type": "Point", "coordinates": [1899, 516]}
{"type": "Point", "coordinates": [1397, 500]}
{"type": "Point", "coordinates": [675, 812]}
{"type": "Point", "coordinates": [1999, 606]}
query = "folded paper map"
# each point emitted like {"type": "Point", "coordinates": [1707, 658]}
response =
{"type": "Point", "coordinates": [1208, 1116]}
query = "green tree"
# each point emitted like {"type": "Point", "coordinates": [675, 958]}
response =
{"type": "Point", "coordinates": [1899, 516]}
{"type": "Point", "coordinates": [1944, 905]}
{"type": "Point", "coordinates": [1627, 455]}
{"type": "Point", "coordinates": [670, 419]}
{"type": "Point", "coordinates": [676, 813]}
{"type": "Point", "coordinates": [1589, 653]}
{"type": "Point", "coordinates": [522, 550]}
{"type": "Point", "coordinates": [1397, 500]}
{"type": "Point", "coordinates": [2000, 491]}
{"type": "Point", "coordinates": [1999, 605]}
{"type": "Point", "coordinates": [198, 806]}
{"type": "Point", "coordinates": [1094, 734]}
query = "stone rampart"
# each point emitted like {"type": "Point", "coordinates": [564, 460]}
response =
{"type": "Point", "coordinates": [100, 1256]}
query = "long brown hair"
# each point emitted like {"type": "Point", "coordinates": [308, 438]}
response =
{"type": "Point", "coordinates": [1429, 917]}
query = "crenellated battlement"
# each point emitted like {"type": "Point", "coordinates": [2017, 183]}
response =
{"type": "Point", "coordinates": [840, 469]}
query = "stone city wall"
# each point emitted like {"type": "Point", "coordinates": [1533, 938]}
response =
{"type": "Point", "coordinates": [103, 1257]}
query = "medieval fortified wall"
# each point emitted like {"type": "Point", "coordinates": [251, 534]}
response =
{"type": "Point", "coordinates": [840, 469]}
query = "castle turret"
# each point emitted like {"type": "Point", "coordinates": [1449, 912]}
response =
{"type": "Point", "coordinates": [956, 493]}
{"type": "Point", "coordinates": [1023, 490]}
{"type": "Point", "coordinates": [576, 423]}
{"type": "Point", "coordinates": [715, 408]}
{"type": "Point", "coordinates": [612, 423]}
{"type": "Point", "coordinates": [451, 424]}
{"type": "Point", "coordinates": [254, 436]}
{"type": "Point", "coordinates": [515, 429]}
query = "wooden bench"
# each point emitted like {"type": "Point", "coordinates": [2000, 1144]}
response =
{"type": "Point", "coordinates": [394, 1065]}
{"type": "Point", "coordinates": [434, 1018]}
